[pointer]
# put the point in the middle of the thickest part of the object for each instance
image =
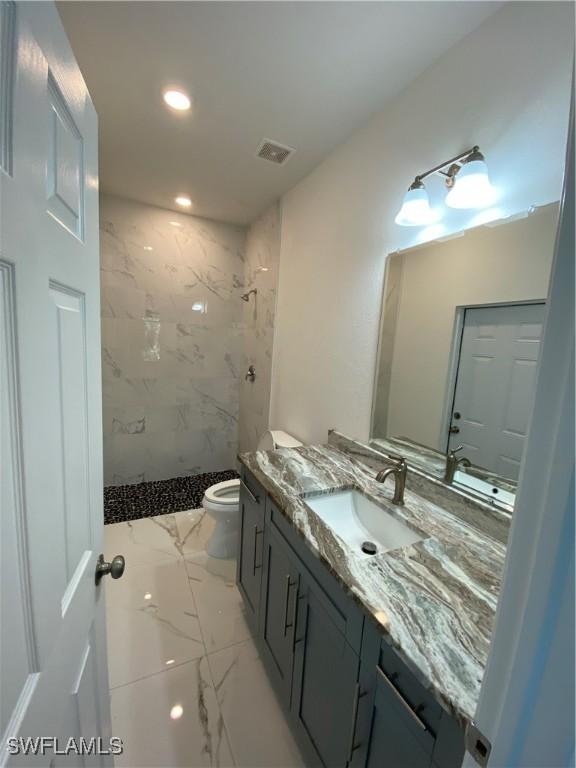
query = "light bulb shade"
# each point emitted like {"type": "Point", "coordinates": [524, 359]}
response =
{"type": "Point", "coordinates": [472, 187]}
{"type": "Point", "coordinates": [415, 209]}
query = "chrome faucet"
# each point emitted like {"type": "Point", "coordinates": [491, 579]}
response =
{"type": "Point", "coordinates": [452, 464]}
{"type": "Point", "coordinates": [399, 473]}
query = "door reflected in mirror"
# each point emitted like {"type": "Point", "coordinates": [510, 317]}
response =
{"type": "Point", "coordinates": [460, 334]}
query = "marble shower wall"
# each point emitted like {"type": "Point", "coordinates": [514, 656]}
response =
{"type": "Point", "coordinates": [171, 342]}
{"type": "Point", "coordinates": [261, 272]}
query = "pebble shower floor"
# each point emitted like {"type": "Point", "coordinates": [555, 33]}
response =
{"type": "Point", "coordinates": [159, 497]}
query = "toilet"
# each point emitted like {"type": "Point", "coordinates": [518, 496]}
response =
{"type": "Point", "coordinates": [222, 500]}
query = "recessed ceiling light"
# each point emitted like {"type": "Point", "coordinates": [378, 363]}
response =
{"type": "Point", "coordinates": [184, 201]}
{"type": "Point", "coordinates": [175, 223]}
{"type": "Point", "coordinates": [148, 248]}
{"type": "Point", "coordinates": [177, 100]}
{"type": "Point", "coordinates": [177, 711]}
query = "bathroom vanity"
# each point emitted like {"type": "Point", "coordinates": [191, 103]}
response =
{"type": "Point", "coordinates": [377, 659]}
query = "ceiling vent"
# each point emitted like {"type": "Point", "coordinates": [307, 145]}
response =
{"type": "Point", "coordinates": [274, 152]}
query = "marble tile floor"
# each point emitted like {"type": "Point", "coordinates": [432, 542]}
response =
{"type": "Point", "coordinates": [187, 685]}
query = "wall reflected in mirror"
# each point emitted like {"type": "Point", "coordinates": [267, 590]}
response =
{"type": "Point", "coordinates": [461, 325]}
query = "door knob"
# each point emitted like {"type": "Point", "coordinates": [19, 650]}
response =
{"type": "Point", "coordinates": [115, 568]}
{"type": "Point", "coordinates": [454, 430]}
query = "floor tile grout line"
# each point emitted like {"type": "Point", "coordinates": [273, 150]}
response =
{"type": "Point", "coordinates": [188, 557]}
{"type": "Point", "coordinates": [177, 557]}
{"type": "Point", "coordinates": [220, 712]}
{"type": "Point", "coordinates": [159, 672]}
{"type": "Point", "coordinates": [248, 639]}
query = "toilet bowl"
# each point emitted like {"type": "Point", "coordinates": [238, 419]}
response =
{"type": "Point", "coordinates": [222, 501]}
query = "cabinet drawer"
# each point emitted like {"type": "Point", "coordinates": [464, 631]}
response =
{"type": "Point", "coordinates": [351, 618]}
{"type": "Point", "coordinates": [409, 693]}
{"type": "Point", "coordinates": [252, 487]}
{"type": "Point", "coordinates": [393, 739]}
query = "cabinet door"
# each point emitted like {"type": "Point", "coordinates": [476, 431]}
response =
{"type": "Point", "coordinates": [278, 606]}
{"type": "Point", "coordinates": [249, 564]}
{"type": "Point", "coordinates": [325, 689]}
{"type": "Point", "coordinates": [398, 738]}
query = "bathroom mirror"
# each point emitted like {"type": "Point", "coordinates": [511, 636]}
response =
{"type": "Point", "coordinates": [460, 333]}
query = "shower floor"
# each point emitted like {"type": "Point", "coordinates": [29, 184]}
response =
{"type": "Point", "coordinates": [159, 497]}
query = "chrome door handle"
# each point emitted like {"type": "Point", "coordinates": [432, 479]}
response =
{"type": "Point", "coordinates": [257, 532]}
{"type": "Point", "coordinates": [353, 746]}
{"type": "Point", "coordinates": [454, 430]}
{"type": "Point", "coordinates": [115, 568]}
{"type": "Point", "coordinates": [289, 585]}
{"type": "Point", "coordinates": [296, 640]}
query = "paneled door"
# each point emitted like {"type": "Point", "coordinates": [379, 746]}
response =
{"type": "Point", "coordinates": [54, 680]}
{"type": "Point", "coordinates": [495, 384]}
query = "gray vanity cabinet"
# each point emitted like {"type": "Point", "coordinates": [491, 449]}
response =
{"type": "Point", "coordinates": [249, 563]}
{"type": "Point", "coordinates": [351, 700]}
{"type": "Point", "coordinates": [394, 740]}
{"type": "Point", "coordinates": [325, 689]}
{"type": "Point", "coordinates": [400, 724]}
{"type": "Point", "coordinates": [278, 608]}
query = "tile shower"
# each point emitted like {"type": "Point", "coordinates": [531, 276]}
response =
{"type": "Point", "coordinates": [260, 272]}
{"type": "Point", "coordinates": [176, 341]}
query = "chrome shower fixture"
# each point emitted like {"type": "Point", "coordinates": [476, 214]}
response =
{"type": "Point", "coordinates": [246, 296]}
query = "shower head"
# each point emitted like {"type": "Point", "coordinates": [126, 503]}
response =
{"type": "Point", "coordinates": [246, 296]}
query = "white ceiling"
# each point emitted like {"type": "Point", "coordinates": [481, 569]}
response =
{"type": "Point", "coordinates": [306, 74]}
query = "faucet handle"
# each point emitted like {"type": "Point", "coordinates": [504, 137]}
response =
{"type": "Point", "coordinates": [455, 450]}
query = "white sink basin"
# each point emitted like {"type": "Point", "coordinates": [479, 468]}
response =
{"type": "Point", "coordinates": [356, 519]}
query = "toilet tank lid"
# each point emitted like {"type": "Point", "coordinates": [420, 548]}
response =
{"type": "Point", "coordinates": [276, 438]}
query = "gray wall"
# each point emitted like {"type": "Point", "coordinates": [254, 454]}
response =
{"type": "Point", "coordinates": [171, 342]}
{"type": "Point", "coordinates": [494, 88]}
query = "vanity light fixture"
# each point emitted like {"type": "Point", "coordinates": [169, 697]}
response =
{"type": "Point", "coordinates": [183, 201]}
{"type": "Point", "coordinates": [467, 182]}
{"type": "Point", "coordinates": [415, 207]}
{"type": "Point", "coordinates": [177, 100]}
{"type": "Point", "coordinates": [470, 185]}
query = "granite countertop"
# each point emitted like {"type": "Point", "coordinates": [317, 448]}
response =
{"type": "Point", "coordinates": [434, 600]}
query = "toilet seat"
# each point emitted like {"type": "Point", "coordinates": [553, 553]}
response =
{"type": "Point", "coordinates": [225, 494]}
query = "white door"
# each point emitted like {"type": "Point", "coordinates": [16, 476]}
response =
{"type": "Point", "coordinates": [53, 654]}
{"type": "Point", "coordinates": [495, 382]}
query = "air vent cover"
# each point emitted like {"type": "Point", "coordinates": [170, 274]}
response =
{"type": "Point", "coordinates": [274, 152]}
